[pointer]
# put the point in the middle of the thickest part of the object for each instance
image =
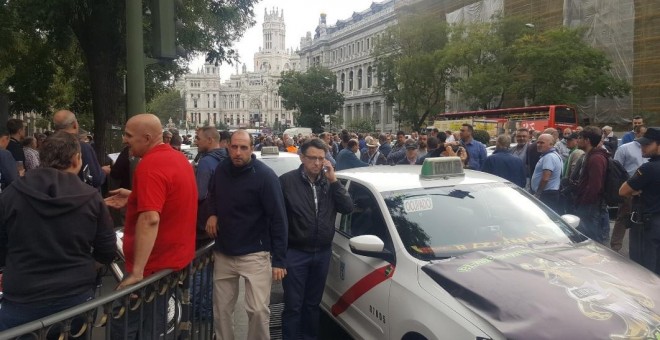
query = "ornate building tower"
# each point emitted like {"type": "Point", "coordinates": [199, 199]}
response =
{"type": "Point", "coordinates": [273, 57]}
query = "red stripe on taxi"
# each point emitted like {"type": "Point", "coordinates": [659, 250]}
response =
{"type": "Point", "coordinates": [364, 285]}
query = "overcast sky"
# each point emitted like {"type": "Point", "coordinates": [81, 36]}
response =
{"type": "Point", "coordinates": [300, 16]}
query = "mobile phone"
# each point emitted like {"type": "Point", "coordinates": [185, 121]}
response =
{"type": "Point", "coordinates": [325, 169]}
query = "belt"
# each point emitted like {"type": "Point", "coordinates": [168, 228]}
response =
{"type": "Point", "coordinates": [642, 218]}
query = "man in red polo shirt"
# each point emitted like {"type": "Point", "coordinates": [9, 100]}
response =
{"type": "Point", "coordinates": [159, 231]}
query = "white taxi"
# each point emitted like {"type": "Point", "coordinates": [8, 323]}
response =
{"type": "Point", "coordinates": [431, 252]}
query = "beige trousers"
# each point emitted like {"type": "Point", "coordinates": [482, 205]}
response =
{"type": "Point", "coordinates": [256, 269]}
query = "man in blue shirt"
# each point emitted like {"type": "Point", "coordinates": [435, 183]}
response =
{"type": "Point", "coordinates": [502, 163]}
{"type": "Point", "coordinates": [630, 135]}
{"type": "Point", "coordinates": [547, 173]}
{"type": "Point", "coordinates": [475, 149]}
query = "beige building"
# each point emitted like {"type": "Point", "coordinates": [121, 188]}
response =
{"type": "Point", "coordinates": [246, 99]}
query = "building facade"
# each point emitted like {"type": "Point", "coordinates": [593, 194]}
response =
{"type": "Point", "coordinates": [346, 49]}
{"type": "Point", "coordinates": [246, 99]}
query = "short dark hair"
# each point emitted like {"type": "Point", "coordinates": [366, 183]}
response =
{"type": "Point", "coordinates": [352, 143]}
{"type": "Point", "coordinates": [469, 126]}
{"type": "Point", "coordinates": [523, 130]}
{"type": "Point", "coordinates": [14, 125]}
{"type": "Point", "coordinates": [441, 136]}
{"type": "Point", "coordinates": [314, 143]}
{"type": "Point", "coordinates": [58, 150]}
{"type": "Point", "coordinates": [432, 143]}
{"type": "Point", "coordinates": [638, 117]}
{"type": "Point", "coordinates": [176, 140]}
{"type": "Point", "coordinates": [592, 133]}
{"type": "Point", "coordinates": [224, 135]}
{"type": "Point", "coordinates": [400, 133]}
{"type": "Point", "coordinates": [27, 141]}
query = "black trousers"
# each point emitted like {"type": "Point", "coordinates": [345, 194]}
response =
{"type": "Point", "coordinates": [645, 243]}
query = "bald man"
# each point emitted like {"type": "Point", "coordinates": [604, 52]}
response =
{"type": "Point", "coordinates": [159, 231]}
{"type": "Point", "coordinates": [91, 172]}
{"type": "Point", "coordinates": [547, 173]}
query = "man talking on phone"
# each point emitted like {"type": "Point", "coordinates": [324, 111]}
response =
{"type": "Point", "coordinates": [311, 228]}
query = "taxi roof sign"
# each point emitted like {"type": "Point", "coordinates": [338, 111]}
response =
{"type": "Point", "coordinates": [442, 167]}
{"type": "Point", "coordinates": [270, 150]}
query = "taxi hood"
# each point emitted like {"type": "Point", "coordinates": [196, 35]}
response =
{"type": "Point", "coordinates": [556, 291]}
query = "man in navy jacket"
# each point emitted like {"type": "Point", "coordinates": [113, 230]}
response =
{"type": "Point", "coordinates": [248, 221]}
{"type": "Point", "coordinates": [502, 163]}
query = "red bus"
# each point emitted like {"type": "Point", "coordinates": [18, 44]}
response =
{"type": "Point", "coordinates": [498, 121]}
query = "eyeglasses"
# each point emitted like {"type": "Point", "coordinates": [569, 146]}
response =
{"type": "Point", "coordinates": [314, 159]}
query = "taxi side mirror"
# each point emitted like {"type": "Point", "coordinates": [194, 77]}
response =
{"type": "Point", "coordinates": [371, 246]}
{"type": "Point", "coordinates": [571, 220]}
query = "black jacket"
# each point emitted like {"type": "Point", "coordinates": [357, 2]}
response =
{"type": "Point", "coordinates": [250, 209]}
{"type": "Point", "coordinates": [52, 229]}
{"type": "Point", "coordinates": [308, 230]}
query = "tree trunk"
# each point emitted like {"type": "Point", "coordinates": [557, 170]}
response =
{"type": "Point", "coordinates": [100, 38]}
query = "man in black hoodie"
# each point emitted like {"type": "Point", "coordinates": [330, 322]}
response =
{"type": "Point", "coordinates": [311, 228]}
{"type": "Point", "coordinates": [53, 228]}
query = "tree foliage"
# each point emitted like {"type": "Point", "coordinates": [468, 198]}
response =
{"type": "Point", "coordinates": [486, 63]}
{"type": "Point", "coordinates": [312, 94]}
{"type": "Point", "coordinates": [557, 66]}
{"type": "Point", "coordinates": [75, 51]}
{"type": "Point", "coordinates": [411, 67]}
{"type": "Point", "coordinates": [167, 105]}
{"type": "Point", "coordinates": [362, 125]}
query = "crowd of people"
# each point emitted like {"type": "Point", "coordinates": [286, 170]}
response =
{"type": "Point", "coordinates": [54, 220]}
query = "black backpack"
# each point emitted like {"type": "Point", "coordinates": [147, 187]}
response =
{"type": "Point", "coordinates": [615, 176]}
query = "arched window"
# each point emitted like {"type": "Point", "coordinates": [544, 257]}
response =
{"type": "Point", "coordinates": [350, 81]}
{"type": "Point", "coordinates": [369, 71]}
{"type": "Point", "coordinates": [359, 79]}
{"type": "Point", "coordinates": [343, 79]}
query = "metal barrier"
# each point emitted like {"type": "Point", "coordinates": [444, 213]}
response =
{"type": "Point", "coordinates": [173, 305]}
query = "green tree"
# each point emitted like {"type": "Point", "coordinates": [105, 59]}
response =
{"type": "Point", "coordinates": [482, 58]}
{"type": "Point", "coordinates": [96, 27]}
{"type": "Point", "coordinates": [312, 94]}
{"type": "Point", "coordinates": [559, 67]}
{"type": "Point", "coordinates": [362, 125]}
{"type": "Point", "coordinates": [167, 104]}
{"type": "Point", "coordinates": [411, 67]}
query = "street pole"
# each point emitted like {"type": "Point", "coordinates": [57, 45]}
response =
{"type": "Point", "coordinates": [135, 101]}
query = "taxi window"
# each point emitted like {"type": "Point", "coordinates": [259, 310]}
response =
{"type": "Point", "coordinates": [436, 223]}
{"type": "Point", "coordinates": [366, 218]}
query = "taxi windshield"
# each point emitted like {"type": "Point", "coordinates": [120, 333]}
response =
{"type": "Point", "coordinates": [436, 223]}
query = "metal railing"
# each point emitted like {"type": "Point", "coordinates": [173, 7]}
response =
{"type": "Point", "coordinates": [179, 304]}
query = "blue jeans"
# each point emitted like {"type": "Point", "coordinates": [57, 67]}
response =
{"type": "Point", "coordinates": [303, 289]}
{"type": "Point", "coordinates": [594, 221]}
{"type": "Point", "coordinates": [14, 314]}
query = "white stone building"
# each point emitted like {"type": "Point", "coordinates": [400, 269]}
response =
{"type": "Point", "coordinates": [246, 99]}
{"type": "Point", "coordinates": [346, 49]}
